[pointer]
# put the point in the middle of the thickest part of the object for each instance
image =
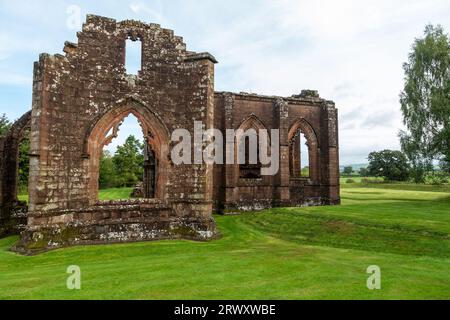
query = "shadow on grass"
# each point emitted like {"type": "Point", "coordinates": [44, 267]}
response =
{"type": "Point", "coordinates": [349, 232]}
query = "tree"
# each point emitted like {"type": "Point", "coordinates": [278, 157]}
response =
{"type": "Point", "coordinates": [5, 125]}
{"type": "Point", "coordinates": [129, 162]}
{"type": "Point", "coordinates": [348, 171]}
{"type": "Point", "coordinates": [364, 172]}
{"type": "Point", "coordinates": [107, 174]}
{"type": "Point", "coordinates": [392, 165]}
{"type": "Point", "coordinates": [425, 102]}
{"type": "Point", "coordinates": [445, 166]}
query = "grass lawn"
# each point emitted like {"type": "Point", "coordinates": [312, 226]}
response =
{"type": "Point", "coordinates": [106, 194]}
{"type": "Point", "coordinates": [114, 194]}
{"type": "Point", "coordinates": [302, 253]}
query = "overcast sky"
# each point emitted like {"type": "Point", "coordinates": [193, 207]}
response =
{"type": "Point", "coordinates": [351, 51]}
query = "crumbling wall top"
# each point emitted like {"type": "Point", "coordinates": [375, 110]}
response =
{"type": "Point", "coordinates": [308, 97]}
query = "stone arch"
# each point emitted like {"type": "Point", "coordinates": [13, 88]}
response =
{"type": "Point", "coordinates": [10, 159]}
{"type": "Point", "coordinates": [312, 141]}
{"type": "Point", "coordinates": [129, 101]}
{"type": "Point", "coordinates": [155, 134]}
{"type": "Point", "coordinates": [252, 122]}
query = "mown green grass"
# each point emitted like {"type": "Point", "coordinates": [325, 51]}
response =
{"type": "Point", "coordinates": [302, 253]}
{"type": "Point", "coordinates": [115, 194]}
{"type": "Point", "coordinates": [105, 194]}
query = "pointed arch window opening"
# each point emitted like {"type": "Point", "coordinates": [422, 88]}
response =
{"type": "Point", "coordinates": [250, 171]}
{"type": "Point", "coordinates": [150, 172]}
{"type": "Point", "coordinates": [150, 161]}
{"type": "Point", "coordinates": [300, 163]}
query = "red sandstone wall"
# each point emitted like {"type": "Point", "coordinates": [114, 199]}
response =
{"type": "Point", "coordinates": [278, 113]}
{"type": "Point", "coordinates": [72, 93]}
{"type": "Point", "coordinates": [2, 142]}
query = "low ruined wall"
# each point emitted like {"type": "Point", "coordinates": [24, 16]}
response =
{"type": "Point", "coordinates": [112, 222]}
{"type": "Point", "coordinates": [14, 219]}
{"type": "Point", "coordinates": [239, 207]}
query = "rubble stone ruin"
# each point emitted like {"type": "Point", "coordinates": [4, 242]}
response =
{"type": "Point", "coordinates": [81, 98]}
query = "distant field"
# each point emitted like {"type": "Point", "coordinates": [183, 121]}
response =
{"type": "Point", "coordinates": [124, 193]}
{"type": "Point", "coordinates": [296, 253]}
{"type": "Point", "coordinates": [379, 184]}
{"type": "Point", "coordinates": [359, 179]}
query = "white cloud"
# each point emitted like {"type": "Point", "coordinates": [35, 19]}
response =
{"type": "Point", "coordinates": [351, 51]}
{"type": "Point", "coordinates": [151, 12]}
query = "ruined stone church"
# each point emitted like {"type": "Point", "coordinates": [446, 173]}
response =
{"type": "Point", "coordinates": [81, 98]}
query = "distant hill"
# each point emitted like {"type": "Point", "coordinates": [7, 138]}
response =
{"type": "Point", "coordinates": [356, 167]}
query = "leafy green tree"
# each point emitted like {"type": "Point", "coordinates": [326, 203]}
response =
{"type": "Point", "coordinates": [4, 124]}
{"type": "Point", "coordinates": [425, 102]}
{"type": "Point", "coordinates": [348, 171]}
{"type": "Point", "coordinates": [129, 162]}
{"type": "Point", "coordinates": [392, 165]}
{"type": "Point", "coordinates": [445, 166]}
{"type": "Point", "coordinates": [107, 175]}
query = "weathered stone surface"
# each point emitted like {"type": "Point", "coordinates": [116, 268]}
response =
{"type": "Point", "coordinates": [112, 222]}
{"type": "Point", "coordinates": [12, 211]}
{"type": "Point", "coordinates": [138, 191]}
{"type": "Point", "coordinates": [316, 118]}
{"type": "Point", "coordinates": [81, 97]}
